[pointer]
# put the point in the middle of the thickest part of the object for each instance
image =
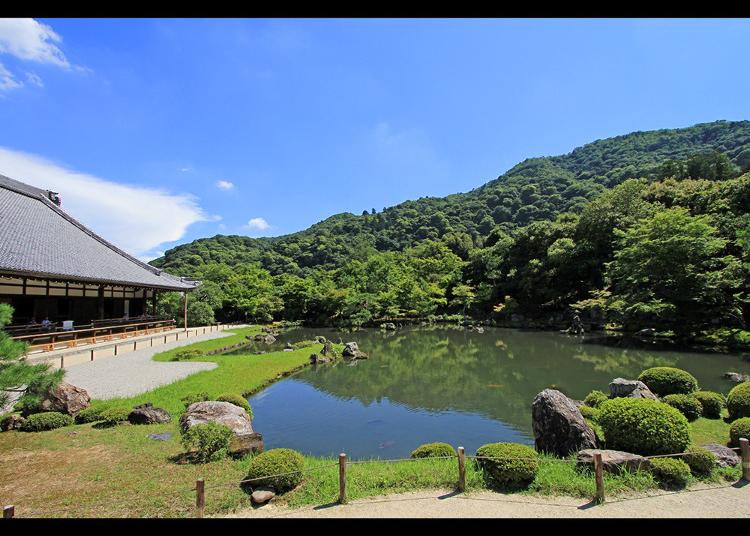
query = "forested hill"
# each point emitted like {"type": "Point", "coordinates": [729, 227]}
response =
{"type": "Point", "coordinates": [535, 189]}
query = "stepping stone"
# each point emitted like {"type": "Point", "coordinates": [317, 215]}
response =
{"type": "Point", "coordinates": [166, 436]}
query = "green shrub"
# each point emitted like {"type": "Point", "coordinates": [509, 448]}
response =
{"type": "Point", "coordinates": [187, 354]}
{"type": "Point", "coordinates": [598, 432]}
{"type": "Point", "coordinates": [668, 381]}
{"type": "Point", "coordinates": [287, 464]}
{"type": "Point", "coordinates": [510, 465]}
{"type": "Point", "coordinates": [590, 413]}
{"type": "Point", "coordinates": [46, 421]}
{"type": "Point", "coordinates": [700, 460]}
{"type": "Point", "coordinates": [740, 428]}
{"type": "Point", "coordinates": [433, 450]}
{"type": "Point", "coordinates": [738, 401]}
{"type": "Point", "coordinates": [193, 398]}
{"type": "Point", "coordinates": [113, 416]}
{"type": "Point", "coordinates": [711, 402]}
{"type": "Point", "coordinates": [595, 398]}
{"type": "Point", "coordinates": [209, 441]}
{"type": "Point", "coordinates": [237, 400]}
{"type": "Point", "coordinates": [644, 426]}
{"type": "Point", "coordinates": [89, 415]}
{"type": "Point", "coordinates": [688, 405]}
{"type": "Point", "coordinates": [670, 472]}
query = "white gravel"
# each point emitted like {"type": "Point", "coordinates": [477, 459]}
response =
{"type": "Point", "coordinates": [133, 373]}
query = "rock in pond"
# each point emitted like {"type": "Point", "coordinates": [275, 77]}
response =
{"type": "Point", "coordinates": [725, 457]}
{"type": "Point", "coordinates": [316, 359]}
{"type": "Point", "coordinates": [352, 351]}
{"type": "Point", "coordinates": [66, 398]}
{"type": "Point", "coordinates": [390, 326]}
{"type": "Point", "coordinates": [245, 438]}
{"type": "Point", "coordinates": [620, 387]}
{"type": "Point", "coordinates": [613, 460]}
{"type": "Point", "coordinates": [262, 495]}
{"type": "Point", "coordinates": [148, 414]}
{"type": "Point", "coordinates": [736, 377]}
{"type": "Point", "coordinates": [559, 427]}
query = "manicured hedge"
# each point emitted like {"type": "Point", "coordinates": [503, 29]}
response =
{"type": "Point", "coordinates": [738, 401]}
{"type": "Point", "coordinates": [700, 460]}
{"type": "Point", "coordinates": [237, 400]}
{"type": "Point", "coordinates": [433, 450]}
{"type": "Point", "coordinates": [89, 415]}
{"type": "Point", "coordinates": [595, 398]}
{"type": "Point", "coordinates": [46, 421]}
{"type": "Point", "coordinates": [209, 441]}
{"type": "Point", "coordinates": [113, 416]}
{"type": "Point", "coordinates": [668, 381]}
{"type": "Point", "coordinates": [508, 464]}
{"type": "Point", "coordinates": [644, 426]}
{"type": "Point", "coordinates": [740, 428]}
{"type": "Point", "coordinates": [711, 402]}
{"type": "Point", "coordinates": [688, 405]}
{"type": "Point", "coordinates": [670, 472]}
{"type": "Point", "coordinates": [286, 463]}
{"type": "Point", "coordinates": [590, 413]}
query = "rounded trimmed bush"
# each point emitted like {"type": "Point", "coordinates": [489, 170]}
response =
{"type": "Point", "coordinates": [712, 403]}
{"type": "Point", "coordinates": [644, 426]}
{"type": "Point", "coordinates": [433, 450]}
{"type": "Point", "coordinates": [595, 399]}
{"type": "Point", "coordinates": [740, 428]}
{"type": "Point", "coordinates": [114, 416]}
{"type": "Point", "coordinates": [209, 441]}
{"type": "Point", "coordinates": [237, 400]}
{"type": "Point", "coordinates": [688, 405]}
{"type": "Point", "coordinates": [49, 420]}
{"type": "Point", "coordinates": [669, 381]}
{"type": "Point", "coordinates": [280, 469]}
{"type": "Point", "coordinates": [700, 460]}
{"type": "Point", "coordinates": [670, 472]}
{"type": "Point", "coordinates": [590, 413]}
{"type": "Point", "coordinates": [738, 401]}
{"type": "Point", "coordinates": [89, 415]}
{"type": "Point", "coordinates": [183, 355]}
{"type": "Point", "coordinates": [508, 464]}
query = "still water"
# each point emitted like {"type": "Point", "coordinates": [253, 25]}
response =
{"type": "Point", "coordinates": [424, 384]}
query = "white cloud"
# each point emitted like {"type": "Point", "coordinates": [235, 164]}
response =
{"type": "Point", "coordinates": [224, 185]}
{"type": "Point", "coordinates": [186, 169]}
{"type": "Point", "coordinates": [258, 224]}
{"type": "Point", "coordinates": [7, 80]}
{"type": "Point", "coordinates": [35, 79]}
{"type": "Point", "coordinates": [135, 218]}
{"type": "Point", "coordinates": [28, 39]}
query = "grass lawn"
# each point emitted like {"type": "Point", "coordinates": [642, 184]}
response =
{"type": "Point", "coordinates": [82, 471]}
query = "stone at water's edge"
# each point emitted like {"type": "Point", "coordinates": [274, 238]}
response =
{"type": "Point", "coordinates": [725, 457]}
{"type": "Point", "coordinates": [148, 414]}
{"type": "Point", "coordinates": [736, 377]}
{"type": "Point", "coordinates": [245, 438]}
{"type": "Point", "coordinates": [66, 398]}
{"type": "Point", "coordinates": [352, 351]}
{"type": "Point", "coordinates": [620, 387]}
{"type": "Point", "coordinates": [559, 427]}
{"type": "Point", "coordinates": [612, 460]}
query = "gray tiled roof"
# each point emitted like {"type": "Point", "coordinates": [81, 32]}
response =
{"type": "Point", "coordinates": [37, 238]}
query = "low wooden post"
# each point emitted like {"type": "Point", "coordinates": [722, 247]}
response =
{"type": "Point", "coordinates": [461, 469]}
{"type": "Point", "coordinates": [9, 511]}
{"type": "Point", "coordinates": [745, 448]}
{"type": "Point", "coordinates": [62, 361]}
{"type": "Point", "coordinates": [342, 478]}
{"type": "Point", "coordinates": [92, 354]}
{"type": "Point", "coordinates": [599, 471]}
{"type": "Point", "coordinates": [200, 497]}
{"type": "Point", "coordinates": [115, 348]}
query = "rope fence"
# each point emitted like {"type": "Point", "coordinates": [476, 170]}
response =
{"type": "Point", "coordinates": [460, 457]}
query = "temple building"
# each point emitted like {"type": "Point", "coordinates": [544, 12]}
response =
{"type": "Point", "coordinates": [53, 270]}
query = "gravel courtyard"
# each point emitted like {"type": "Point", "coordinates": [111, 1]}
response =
{"type": "Point", "coordinates": [135, 372]}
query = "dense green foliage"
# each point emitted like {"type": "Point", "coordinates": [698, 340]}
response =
{"type": "Point", "coordinates": [208, 442]}
{"type": "Point", "coordinates": [237, 400]}
{"type": "Point", "coordinates": [712, 403]}
{"type": "Point", "coordinates": [114, 415]}
{"type": "Point", "coordinates": [194, 397]}
{"type": "Point", "coordinates": [508, 464]}
{"type": "Point", "coordinates": [280, 469]}
{"type": "Point", "coordinates": [649, 229]}
{"type": "Point", "coordinates": [595, 399]}
{"type": "Point", "coordinates": [644, 426]}
{"type": "Point", "coordinates": [738, 401]}
{"type": "Point", "coordinates": [589, 413]}
{"type": "Point", "coordinates": [688, 405]}
{"type": "Point", "coordinates": [739, 429]}
{"type": "Point", "coordinates": [700, 460]}
{"type": "Point", "coordinates": [90, 414]}
{"type": "Point", "coordinates": [664, 381]}
{"type": "Point", "coordinates": [670, 472]}
{"type": "Point", "coordinates": [46, 421]}
{"type": "Point", "coordinates": [432, 450]}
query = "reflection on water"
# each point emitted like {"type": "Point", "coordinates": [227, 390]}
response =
{"type": "Point", "coordinates": [446, 384]}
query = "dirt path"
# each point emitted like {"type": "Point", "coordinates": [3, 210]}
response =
{"type": "Point", "coordinates": [726, 501]}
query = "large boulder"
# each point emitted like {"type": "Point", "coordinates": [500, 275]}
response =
{"type": "Point", "coordinates": [245, 438]}
{"type": "Point", "coordinates": [352, 351]}
{"type": "Point", "coordinates": [12, 422]}
{"type": "Point", "coordinates": [725, 457]}
{"type": "Point", "coordinates": [559, 427]}
{"type": "Point", "coordinates": [66, 398]}
{"type": "Point", "coordinates": [620, 387]}
{"type": "Point", "coordinates": [613, 460]}
{"type": "Point", "coordinates": [148, 414]}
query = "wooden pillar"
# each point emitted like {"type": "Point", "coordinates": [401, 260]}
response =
{"type": "Point", "coordinates": [342, 478]}
{"type": "Point", "coordinates": [186, 295]}
{"type": "Point", "coordinates": [599, 472]}
{"type": "Point", "coordinates": [101, 302]}
{"type": "Point", "coordinates": [153, 302]}
{"type": "Point", "coordinates": [461, 469]}
{"type": "Point", "coordinates": [745, 448]}
{"type": "Point", "coordinates": [200, 497]}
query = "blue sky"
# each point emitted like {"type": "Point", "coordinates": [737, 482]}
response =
{"type": "Point", "coordinates": [157, 132]}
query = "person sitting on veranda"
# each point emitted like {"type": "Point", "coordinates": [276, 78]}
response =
{"type": "Point", "coordinates": [46, 324]}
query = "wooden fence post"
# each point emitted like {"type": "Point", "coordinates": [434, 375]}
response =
{"type": "Point", "coordinates": [9, 511]}
{"type": "Point", "coordinates": [599, 471]}
{"type": "Point", "coordinates": [745, 448]}
{"type": "Point", "coordinates": [200, 497]}
{"type": "Point", "coordinates": [461, 469]}
{"type": "Point", "coordinates": [342, 478]}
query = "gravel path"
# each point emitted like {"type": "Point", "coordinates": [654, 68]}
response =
{"type": "Point", "coordinates": [726, 501]}
{"type": "Point", "coordinates": [133, 373]}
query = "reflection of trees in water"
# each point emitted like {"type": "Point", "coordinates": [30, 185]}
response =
{"type": "Point", "coordinates": [623, 362]}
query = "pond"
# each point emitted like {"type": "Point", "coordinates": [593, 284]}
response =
{"type": "Point", "coordinates": [442, 383]}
